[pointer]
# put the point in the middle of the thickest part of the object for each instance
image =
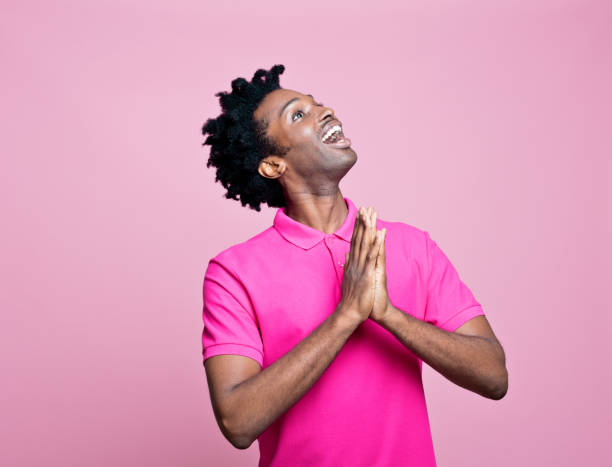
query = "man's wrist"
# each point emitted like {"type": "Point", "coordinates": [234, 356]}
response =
{"type": "Point", "coordinates": [346, 318]}
{"type": "Point", "coordinates": [389, 314]}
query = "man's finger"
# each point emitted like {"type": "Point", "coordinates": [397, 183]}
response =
{"type": "Point", "coordinates": [363, 245]}
{"type": "Point", "coordinates": [355, 247]}
{"type": "Point", "coordinates": [374, 249]}
{"type": "Point", "coordinates": [368, 238]}
{"type": "Point", "coordinates": [381, 260]}
{"type": "Point", "coordinates": [349, 253]}
{"type": "Point", "coordinates": [355, 224]}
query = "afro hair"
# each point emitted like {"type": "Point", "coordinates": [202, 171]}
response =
{"type": "Point", "coordinates": [238, 142]}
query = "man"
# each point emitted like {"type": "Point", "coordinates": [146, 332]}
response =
{"type": "Point", "coordinates": [315, 329]}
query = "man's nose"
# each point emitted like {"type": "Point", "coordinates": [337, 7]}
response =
{"type": "Point", "coordinates": [326, 112]}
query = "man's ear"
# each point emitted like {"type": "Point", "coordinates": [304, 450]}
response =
{"type": "Point", "coordinates": [272, 167]}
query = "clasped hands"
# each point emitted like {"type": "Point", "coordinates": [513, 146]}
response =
{"type": "Point", "coordinates": [364, 284]}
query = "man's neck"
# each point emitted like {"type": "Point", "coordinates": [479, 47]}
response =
{"type": "Point", "coordinates": [325, 213]}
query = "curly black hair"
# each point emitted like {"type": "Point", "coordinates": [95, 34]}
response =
{"type": "Point", "coordinates": [238, 142]}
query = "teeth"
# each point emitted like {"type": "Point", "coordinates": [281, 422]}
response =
{"type": "Point", "coordinates": [331, 131]}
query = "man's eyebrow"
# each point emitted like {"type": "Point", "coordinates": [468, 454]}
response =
{"type": "Point", "coordinates": [291, 101]}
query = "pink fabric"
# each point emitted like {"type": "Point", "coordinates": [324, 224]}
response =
{"type": "Point", "coordinates": [263, 296]}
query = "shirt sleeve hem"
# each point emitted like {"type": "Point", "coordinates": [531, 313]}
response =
{"type": "Point", "coordinates": [234, 349]}
{"type": "Point", "coordinates": [455, 321]}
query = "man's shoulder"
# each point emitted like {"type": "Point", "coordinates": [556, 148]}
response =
{"type": "Point", "coordinates": [404, 227]}
{"type": "Point", "coordinates": [405, 239]}
{"type": "Point", "coordinates": [250, 249]}
{"type": "Point", "coordinates": [406, 230]}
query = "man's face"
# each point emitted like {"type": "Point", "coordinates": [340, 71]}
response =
{"type": "Point", "coordinates": [297, 122]}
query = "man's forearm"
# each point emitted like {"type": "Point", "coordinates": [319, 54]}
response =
{"type": "Point", "coordinates": [261, 399]}
{"type": "Point", "coordinates": [473, 362]}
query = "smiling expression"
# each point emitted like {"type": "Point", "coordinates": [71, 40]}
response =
{"type": "Point", "coordinates": [299, 123]}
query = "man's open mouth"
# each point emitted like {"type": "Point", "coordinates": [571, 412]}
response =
{"type": "Point", "coordinates": [333, 135]}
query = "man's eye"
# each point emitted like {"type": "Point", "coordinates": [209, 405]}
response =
{"type": "Point", "coordinates": [296, 113]}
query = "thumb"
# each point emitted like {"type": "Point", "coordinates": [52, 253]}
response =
{"type": "Point", "coordinates": [379, 240]}
{"type": "Point", "coordinates": [381, 261]}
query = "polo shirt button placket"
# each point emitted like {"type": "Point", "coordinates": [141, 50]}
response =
{"type": "Point", "coordinates": [338, 263]}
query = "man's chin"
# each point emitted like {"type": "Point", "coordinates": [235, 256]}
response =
{"type": "Point", "coordinates": [339, 151]}
{"type": "Point", "coordinates": [348, 152]}
{"type": "Point", "coordinates": [348, 157]}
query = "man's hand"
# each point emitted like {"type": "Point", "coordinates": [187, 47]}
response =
{"type": "Point", "coordinates": [359, 280]}
{"type": "Point", "coordinates": [381, 294]}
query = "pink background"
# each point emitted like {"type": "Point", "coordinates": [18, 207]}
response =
{"type": "Point", "coordinates": [485, 123]}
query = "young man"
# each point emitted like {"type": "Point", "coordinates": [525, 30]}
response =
{"type": "Point", "coordinates": [315, 330]}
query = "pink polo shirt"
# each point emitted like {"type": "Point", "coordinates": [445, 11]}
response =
{"type": "Point", "coordinates": [266, 294]}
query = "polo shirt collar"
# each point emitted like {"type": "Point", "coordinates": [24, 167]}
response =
{"type": "Point", "coordinates": [306, 237]}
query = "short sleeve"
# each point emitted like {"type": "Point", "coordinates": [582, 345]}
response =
{"type": "Point", "coordinates": [230, 324]}
{"type": "Point", "coordinates": [450, 303]}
